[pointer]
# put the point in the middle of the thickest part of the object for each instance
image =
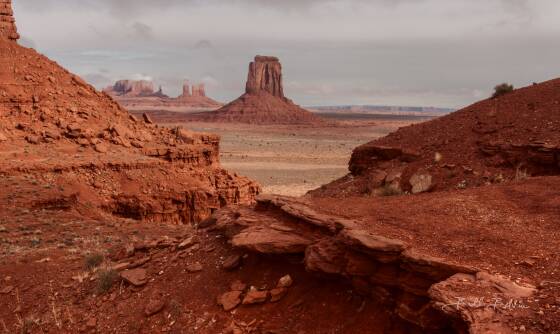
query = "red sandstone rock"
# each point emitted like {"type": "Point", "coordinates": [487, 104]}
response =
{"type": "Point", "coordinates": [230, 300]}
{"type": "Point", "coordinates": [265, 75]}
{"type": "Point", "coordinates": [8, 28]}
{"type": "Point", "coordinates": [140, 96]}
{"type": "Point", "coordinates": [255, 296]}
{"type": "Point", "coordinates": [136, 277]}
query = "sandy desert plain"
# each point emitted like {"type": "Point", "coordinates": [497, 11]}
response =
{"type": "Point", "coordinates": [291, 160]}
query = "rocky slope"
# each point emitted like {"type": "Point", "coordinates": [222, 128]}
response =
{"type": "Point", "coordinates": [508, 138]}
{"type": "Point", "coordinates": [263, 102]}
{"type": "Point", "coordinates": [58, 128]}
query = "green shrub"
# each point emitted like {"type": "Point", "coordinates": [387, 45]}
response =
{"type": "Point", "coordinates": [502, 89]}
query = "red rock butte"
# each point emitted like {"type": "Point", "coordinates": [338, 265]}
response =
{"type": "Point", "coordinates": [8, 28]}
{"type": "Point", "coordinates": [140, 95]}
{"type": "Point", "coordinates": [263, 102]}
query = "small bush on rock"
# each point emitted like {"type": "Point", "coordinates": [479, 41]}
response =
{"type": "Point", "coordinates": [502, 89]}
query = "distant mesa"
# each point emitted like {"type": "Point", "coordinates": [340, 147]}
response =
{"type": "Point", "coordinates": [140, 95]}
{"type": "Point", "coordinates": [8, 28]}
{"type": "Point", "coordinates": [263, 102]}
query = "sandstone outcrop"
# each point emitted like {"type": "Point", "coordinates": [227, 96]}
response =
{"type": "Point", "coordinates": [8, 28]}
{"type": "Point", "coordinates": [263, 102]}
{"type": "Point", "coordinates": [265, 75]}
{"type": "Point", "coordinates": [431, 294]}
{"type": "Point", "coordinates": [199, 90]}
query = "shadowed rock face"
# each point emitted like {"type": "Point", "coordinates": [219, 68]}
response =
{"type": "Point", "coordinates": [8, 28]}
{"type": "Point", "coordinates": [265, 74]}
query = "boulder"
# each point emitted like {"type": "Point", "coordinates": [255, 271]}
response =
{"type": "Point", "coordinates": [421, 183]}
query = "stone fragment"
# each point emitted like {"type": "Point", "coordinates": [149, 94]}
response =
{"type": "Point", "coordinates": [147, 118]}
{"type": "Point", "coordinates": [255, 296]}
{"type": "Point", "coordinates": [285, 282]}
{"type": "Point", "coordinates": [421, 183]}
{"type": "Point", "coordinates": [187, 242]}
{"type": "Point", "coordinates": [154, 306]}
{"type": "Point", "coordinates": [238, 286]}
{"type": "Point", "coordinates": [136, 277]}
{"type": "Point", "coordinates": [194, 267]}
{"type": "Point", "coordinates": [230, 300]}
{"type": "Point", "coordinates": [232, 262]}
{"type": "Point", "coordinates": [277, 293]}
{"type": "Point", "coordinates": [101, 148]}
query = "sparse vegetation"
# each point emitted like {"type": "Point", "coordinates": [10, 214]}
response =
{"type": "Point", "coordinates": [502, 89]}
{"type": "Point", "coordinates": [390, 190]}
{"type": "Point", "coordinates": [106, 277]}
{"type": "Point", "coordinates": [93, 261]}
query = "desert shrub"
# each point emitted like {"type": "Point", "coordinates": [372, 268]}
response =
{"type": "Point", "coordinates": [390, 190]}
{"type": "Point", "coordinates": [502, 89]}
{"type": "Point", "coordinates": [106, 277]}
{"type": "Point", "coordinates": [93, 260]}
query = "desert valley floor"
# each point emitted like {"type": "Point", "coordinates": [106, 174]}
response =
{"type": "Point", "coordinates": [291, 160]}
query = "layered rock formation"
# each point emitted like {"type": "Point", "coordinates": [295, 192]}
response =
{"type": "Point", "coordinates": [432, 289]}
{"type": "Point", "coordinates": [8, 28]}
{"type": "Point", "coordinates": [263, 102]}
{"type": "Point", "coordinates": [199, 90]}
{"type": "Point", "coordinates": [186, 90]}
{"type": "Point", "coordinates": [131, 88]}
{"type": "Point", "coordinates": [265, 75]}
{"type": "Point", "coordinates": [59, 129]}
{"type": "Point", "coordinates": [509, 138]}
{"type": "Point", "coordinates": [139, 96]}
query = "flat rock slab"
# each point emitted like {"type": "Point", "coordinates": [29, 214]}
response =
{"type": "Point", "coordinates": [194, 267]}
{"type": "Point", "coordinates": [270, 241]}
{"type": "Point", "coordinates": [136, 277]}
{"type": "Point", "coordinates": [230, 300]}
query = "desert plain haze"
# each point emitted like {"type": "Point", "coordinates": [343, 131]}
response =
{"type": "Point", "coordinates": [444, 53]}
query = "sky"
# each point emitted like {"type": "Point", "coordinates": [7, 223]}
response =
{"type": "Point", "coordinates": [442, 53]}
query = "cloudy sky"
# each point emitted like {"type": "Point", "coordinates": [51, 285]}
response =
{"type": "Point", "coordinates": [445, 53]}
